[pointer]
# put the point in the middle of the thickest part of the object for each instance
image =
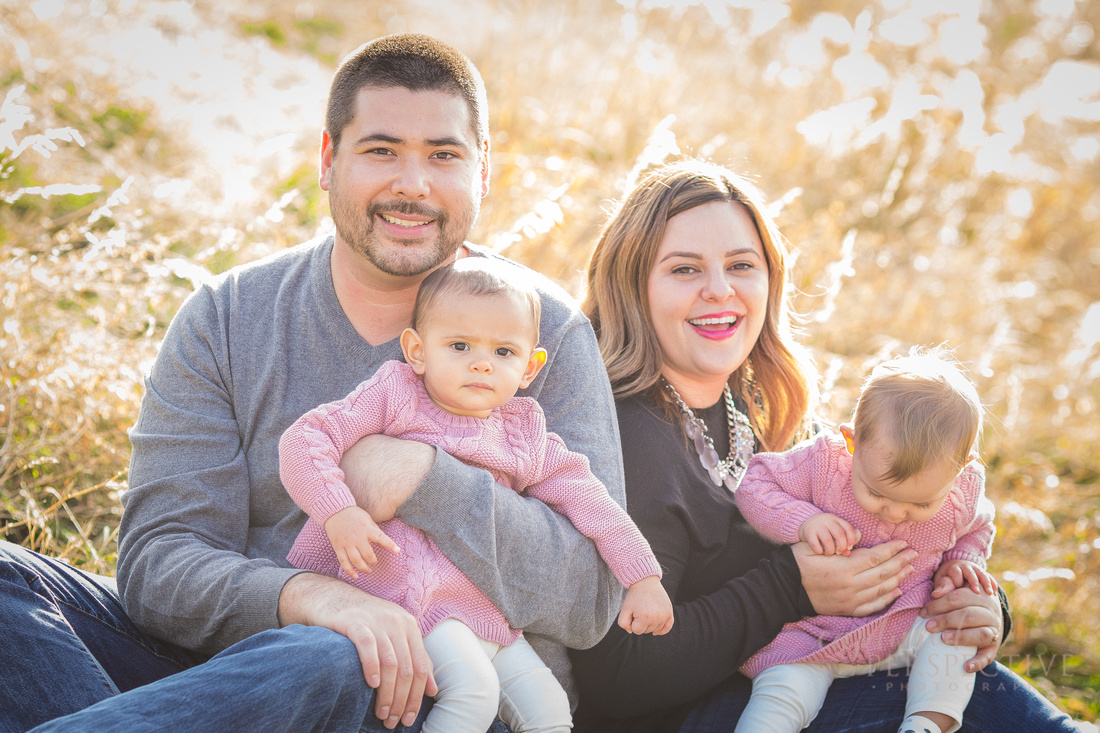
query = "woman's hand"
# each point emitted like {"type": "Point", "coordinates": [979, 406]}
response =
{"type": "Point", "coordinates": [967, 618]}
{"type": "Point", "coordinates": [855, 585]}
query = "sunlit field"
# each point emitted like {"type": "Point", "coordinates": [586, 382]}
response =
{"type": "Point", "coordinates": [935, 165]}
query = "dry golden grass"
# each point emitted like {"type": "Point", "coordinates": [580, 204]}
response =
{"type": "Point", "coordinates": [942, 191]}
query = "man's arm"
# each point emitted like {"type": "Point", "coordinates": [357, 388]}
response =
{"type": "Point", "coordinates": [182, 571]}
{"type": "Point", "coordinates": [530, 561]}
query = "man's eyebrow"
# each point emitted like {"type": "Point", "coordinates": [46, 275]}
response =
{"type": "Point", "coordinates": [381, 137]}
{"type": "Point", "coordinates": [446, 142]}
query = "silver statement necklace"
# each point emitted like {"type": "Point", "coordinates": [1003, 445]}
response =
{"type": "Point", "coordinates": [742, 442]}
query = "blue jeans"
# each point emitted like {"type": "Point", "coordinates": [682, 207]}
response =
{"type": "Point", "coordinates": [875, 703]}
{"type": "Point", "coordinates": [71, 660]}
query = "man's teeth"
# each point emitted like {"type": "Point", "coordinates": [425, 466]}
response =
{"type": "Point", "coordinates": [402, 222]}
{"type": "Point", "coordinates": [724, 320]}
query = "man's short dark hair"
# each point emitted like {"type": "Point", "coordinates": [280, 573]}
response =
{"type": "Point", "coordinates": [410, 60]}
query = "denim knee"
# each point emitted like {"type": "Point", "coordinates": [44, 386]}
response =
{"type": "Point", "coordinates": [319, 655]}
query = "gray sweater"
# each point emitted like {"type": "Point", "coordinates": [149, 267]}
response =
{"type": "Point", "coordinates": [207, 523]}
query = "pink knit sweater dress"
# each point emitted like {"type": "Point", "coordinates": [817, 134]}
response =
{"type": "Point", "coordinates": [782, 490]}
{"type": "Point", "coordinates": [513, 444]}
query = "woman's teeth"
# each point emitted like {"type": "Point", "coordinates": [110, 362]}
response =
{"type": "Point", "coordinates": [721, 321]}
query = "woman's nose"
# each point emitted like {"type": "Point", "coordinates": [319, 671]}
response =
{"type": "Point", "coordinates": [716, 286]}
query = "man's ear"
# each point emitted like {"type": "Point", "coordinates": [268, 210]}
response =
{"type": "Point", "coordinates": [327, 154]}
{"type": "Point", "coordinates": [485, 167]}
{"type": "Point", "coordinates": [534, 366]}
{"type": "Point", "coordinates": [413, 348]}
{"type": "Point", "coordinates": [849, 438]}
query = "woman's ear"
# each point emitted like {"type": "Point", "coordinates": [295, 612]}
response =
{"type": "Point", "coordinates": [413, 348]}
{"type": "Point", "coordinates": [534, 366]}
{"type": "Point", "coordinates": [849, 438]}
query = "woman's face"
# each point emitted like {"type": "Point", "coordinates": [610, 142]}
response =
{"type": "Point", "coordinates": [708, 295]}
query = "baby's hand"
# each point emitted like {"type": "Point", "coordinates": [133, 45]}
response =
{"type": "Point", "coordinates": [351, 532]}
{"type": "Point", "coordinates": [646, 608]}
{"type": "Point", "coordinates": [953, 574]}
{"type": "Point", "coordinates": [828, 534]}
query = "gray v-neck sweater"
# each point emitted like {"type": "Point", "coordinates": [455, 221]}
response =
{"type": "Point", "coordinates": [207, 523]}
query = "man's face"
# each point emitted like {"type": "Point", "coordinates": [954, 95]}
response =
{"type": "Point", "coordinates": [406, 184]}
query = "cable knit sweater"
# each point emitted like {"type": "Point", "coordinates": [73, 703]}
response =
{"type": "Point", "coordinates": [780, 491]}
{"type": "Point", "coordinates": [513, 444]}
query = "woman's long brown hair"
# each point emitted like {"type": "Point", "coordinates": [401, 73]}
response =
{"type": "Point", "coordinates": [774, 381]}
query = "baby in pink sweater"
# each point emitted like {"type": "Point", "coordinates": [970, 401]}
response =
{"type": "Point", "coordinates": [905, 469]}
{"type": "Point", "coordinates": [473, 344]}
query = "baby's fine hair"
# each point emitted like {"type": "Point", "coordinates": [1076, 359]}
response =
{"type": "Point", "coordinates": [478, 276]}
{"type": "Point", "coordinates": [924, 407]}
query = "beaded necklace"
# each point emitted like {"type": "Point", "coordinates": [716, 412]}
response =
{"type": "Point", "coordinates": [730, 470]}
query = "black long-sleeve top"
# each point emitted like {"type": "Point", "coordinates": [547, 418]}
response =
{"type": "Point", "coordinates": [732, 590]}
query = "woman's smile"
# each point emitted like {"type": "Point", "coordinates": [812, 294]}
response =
{"type": "Point", "coordinates": [715, 327]}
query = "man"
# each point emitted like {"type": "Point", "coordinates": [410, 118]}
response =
{"type": "Point", "coordinates": [203, 541]}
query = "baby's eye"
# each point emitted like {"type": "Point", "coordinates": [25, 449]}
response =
{"type": "Point", "coordinates": [502, 351]}
{"type": "Point", "coordinates": [460, 346]}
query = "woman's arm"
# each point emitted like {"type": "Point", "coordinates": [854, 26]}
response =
{"type": "Point", "coordinates": [627, 675]}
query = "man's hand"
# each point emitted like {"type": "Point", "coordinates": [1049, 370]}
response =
{"type": "Point", "coordinates": [857, 585]}
{"type": "Point", "coordinates": [828, 534]}
{"type": "Point", "coordinates": [382, 472]}
{"type": "Point", "coordinates": [385, 636]}
{"type": "Point", "coordinates": [952, 574]}
{"type": "Point", "coordinates": [351, 532]}
{"type": "Point", "coordinates": [967, 618]}
{"type": "Point", "coordinates": [646, 608]}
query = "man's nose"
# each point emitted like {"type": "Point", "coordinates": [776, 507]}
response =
{"type": "Point", "coordinates": [411, 180]}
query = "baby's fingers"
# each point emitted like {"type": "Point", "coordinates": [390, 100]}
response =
{"type": "Point", "coordinates": [346, 564]}
{"type": "Point", "coordinates": [973, 578]}
{"type": "Point", "coordinates": [625, 621]}
{"type": "Point", "coordinates": [955, 572]}
{"type": "Point", "coordinates": [843, 542]}
{"type": "Point", "coordinates": [380, 538]}
{"type": "Point", "coordinates": [643, 624]}
{"type": "Point", "coordinates": [852, 535]}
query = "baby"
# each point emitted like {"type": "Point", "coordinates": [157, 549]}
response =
{"type": "Point", "coordinates": [905, 469]}
{"type": "Point", "coordinates": [472, 345]}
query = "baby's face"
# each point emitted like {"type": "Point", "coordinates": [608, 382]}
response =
{"type": "Point", "coordinates": [477, 353]}
{"type": "Point", "coordinates": [915, 499]}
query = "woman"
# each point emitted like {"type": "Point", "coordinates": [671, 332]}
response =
{"type": "Point", "coordinates": [686, 293]}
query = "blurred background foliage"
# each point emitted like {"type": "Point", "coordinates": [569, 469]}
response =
{"type": "Point", "coordinates": [934, 164]}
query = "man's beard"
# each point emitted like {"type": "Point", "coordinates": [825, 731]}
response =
{"type": "Point", "coordinates": [357, 228]}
